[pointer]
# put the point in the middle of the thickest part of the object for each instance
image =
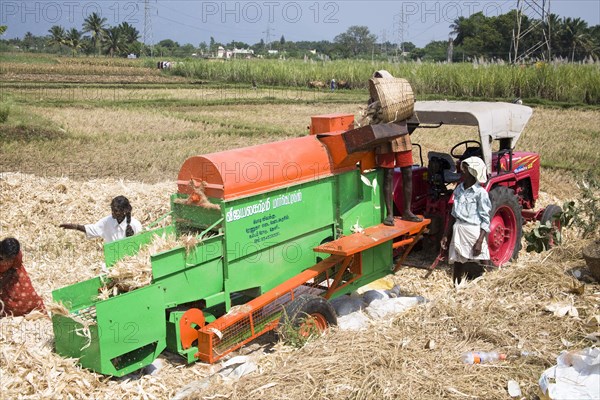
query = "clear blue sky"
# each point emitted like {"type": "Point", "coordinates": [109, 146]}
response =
{"type": "Point", "coordinates": [194, 21]}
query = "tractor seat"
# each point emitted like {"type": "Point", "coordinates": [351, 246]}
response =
{"type": "Point", "coordinates": [448, 166]}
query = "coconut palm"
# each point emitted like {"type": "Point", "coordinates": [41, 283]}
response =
{"type": "Point", "coordinates": [113, 41]}
{"type": "Point", "coordinates": [129, 35]}
{"type": "Point", "coordinates": [57, 36]}
{"type": "Point", "coordinates": [459, 29]}
{"type": "Point", "coordinates": [73, 40]}
{"type": "Point", "coordinates": [95, 25]}
{"type": "Point", "coordinates": [575, 33]}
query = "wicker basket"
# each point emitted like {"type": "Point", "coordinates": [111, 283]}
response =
{"type": "Point", "coordinates": [591, 254]}
{"type": "Point", "coordinates": [395, 97]}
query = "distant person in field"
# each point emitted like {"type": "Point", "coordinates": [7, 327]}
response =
{"type": "Point", "coordinates": [469, 223]}
{"type": "Point", "coordinates": [332, 84]}
{"type": "Point", "coordinates": [17, 295]}
{"type": "Point", "coordinates": [118, 225]}
{"type": "Point", "coordinates": [396, 153]}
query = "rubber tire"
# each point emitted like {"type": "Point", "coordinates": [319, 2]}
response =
{"type": "Point", "coordinates": [309, 304]}
{"type": "Point", "coordinates": [550, 212]}
{"type": "Point", "coordinates": [547, 215]}
{"type": "Point", "coordinates": [501, 198]}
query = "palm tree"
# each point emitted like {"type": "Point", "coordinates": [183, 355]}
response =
{"type": "Point", "coordinates": [73, 40]}
{"type": "Point", "coordinates": [575, 33]}
{"type": "Point", "coordinates": [129, 34]}
{"type": "Point", "coordinates": [555, 28]}
{"type": "Point", "coordinates": [95, 24]}
{"type": "Point", "coordinates": [113, 41]}
{"type": "Point", "coordinates": [57, 36]}
{"type": "Point", "coordinates": [28, 40]}
{"type": "Point", "coordinates": [458, 27]}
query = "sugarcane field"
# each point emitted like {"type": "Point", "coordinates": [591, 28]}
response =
{"type": "Point", "coordinates": [202, 228]}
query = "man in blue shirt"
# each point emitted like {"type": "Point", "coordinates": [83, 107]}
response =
{"type": "Point", "coordinates": [469, 223]}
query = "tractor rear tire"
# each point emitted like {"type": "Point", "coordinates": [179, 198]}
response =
{"type": "Point", "coordinates": [506, 226]}
{"type": "Point", "coordinates": [308, 313]}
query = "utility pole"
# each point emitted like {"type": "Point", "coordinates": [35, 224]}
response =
{"type": "Point", "coordinates": [148, 27]}
{"type": "Point", "coordinates": [401, 29]}
{"type": "Point", "coordinates": [450, 49]}
{"type": "Point", "coordinates": [537, 12]}
{"type": "Point", "coordinates": [268, 35]}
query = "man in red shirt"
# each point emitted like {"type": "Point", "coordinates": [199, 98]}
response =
{"type": "Point", "coordinates": [17, 295]}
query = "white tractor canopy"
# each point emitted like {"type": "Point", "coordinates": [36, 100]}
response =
{"type": "Point", "coordinates": [494, 120]}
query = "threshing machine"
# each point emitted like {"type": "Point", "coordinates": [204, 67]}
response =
{"type": "Point", "coordinates": [284, 225]}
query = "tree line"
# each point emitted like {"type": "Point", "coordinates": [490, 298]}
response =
{"type": "Point", "coordinates": [473, 37]}
{"type": "Point", "coordinates": [113, 41]}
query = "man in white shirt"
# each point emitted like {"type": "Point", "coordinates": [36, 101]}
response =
{"type": "Point", "coordinates": [113, 227]}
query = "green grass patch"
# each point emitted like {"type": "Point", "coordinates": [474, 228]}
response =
{"type": "Point", "coordinates": [27, 127]}
{"type": "Point", "coordinates": [5, 107]}
{"type": "Point", "coordinates": [28, 58]}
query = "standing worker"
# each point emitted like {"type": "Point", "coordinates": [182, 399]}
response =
{"type": "Point", "coordinates": [396, 153]}
{"type": "Point", "coordinates": [17, 295]}
{"type": "Point", "coordinates": [332, 84]}
{"type": "Point", "coordinates": [113, 227]}
{"type": "Point", "coordinates": [469, 223]}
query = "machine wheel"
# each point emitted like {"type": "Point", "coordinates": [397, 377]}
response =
{"type": "Point", "coordinates": [550, 212]}
{"type": "Point", "coordinates": [506, 226]}
{"type": "Point", "coordinates": [308, 314]}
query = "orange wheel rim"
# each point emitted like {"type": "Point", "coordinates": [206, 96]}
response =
{"type": "Point", "coordinates": [313, 323]}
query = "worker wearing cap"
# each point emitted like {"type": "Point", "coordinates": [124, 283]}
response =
{"type": "Point", "coordinates": [469, 223]}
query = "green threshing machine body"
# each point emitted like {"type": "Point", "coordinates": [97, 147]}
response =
{"type": "Point", "coordinates": [276, 203]}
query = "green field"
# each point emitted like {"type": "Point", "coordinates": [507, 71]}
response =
{"type": "Point", "coordinates": [578, 84]}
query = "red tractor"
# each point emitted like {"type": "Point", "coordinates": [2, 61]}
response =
{"type": "Point", "coordinates": [514, 177]}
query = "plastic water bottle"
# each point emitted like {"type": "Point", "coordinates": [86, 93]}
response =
{"type": "Point", "coordinates": [482, 357]}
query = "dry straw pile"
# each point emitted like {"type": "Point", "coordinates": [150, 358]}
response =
{"type": "Point", "coordinates": [414, 356]}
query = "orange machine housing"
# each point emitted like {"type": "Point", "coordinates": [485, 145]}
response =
{"type": "Point", "coordinates": [250, 170]}
{"type": "Point", "coordinates": [331, 123]}
{"type": "Point", "coordinates": [256, 169]}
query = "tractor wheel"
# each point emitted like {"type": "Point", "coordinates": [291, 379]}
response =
{"type": "Point", "coordinates": [306, 316]}
{"type": "Point", "coordinates": [506, 226]}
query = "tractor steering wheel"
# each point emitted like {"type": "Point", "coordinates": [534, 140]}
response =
{"type": "Point", "coordinates": [469, 151]}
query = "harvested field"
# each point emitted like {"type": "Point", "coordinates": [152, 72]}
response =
{"type": "Point", "coordinates": [69, 147]}
{"type": "Point", "coordinates": [88, 78]}
{"type": "Point", "coordinates": [504, 310]}
{"type": "Point", "coordinates": [91, 140]}
{"type": "Point", "coordinates": [83, 71]}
